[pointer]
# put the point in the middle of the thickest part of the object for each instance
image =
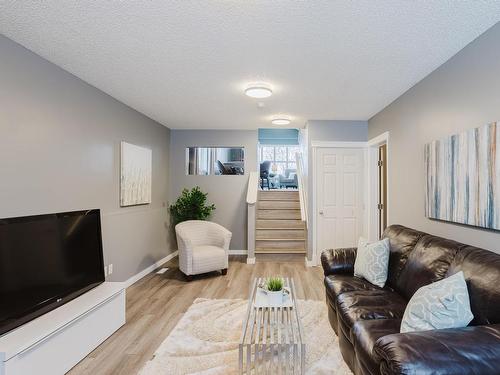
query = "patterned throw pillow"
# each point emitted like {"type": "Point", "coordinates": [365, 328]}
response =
{"type": "Point", "coordinates": [442, 304]}
{"type": "Point", "coordinates": [372, 261]}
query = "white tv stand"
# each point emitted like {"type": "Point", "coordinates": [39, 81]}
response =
{"type": "Point", "coordinates": [55, 342]}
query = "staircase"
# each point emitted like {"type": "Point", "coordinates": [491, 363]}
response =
{"type": "Point", "coordinates": [278, 227]}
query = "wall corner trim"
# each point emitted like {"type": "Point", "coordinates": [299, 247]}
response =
{"type": "Point", "coordinates": [148, 270]}
{"type": "Point", "coordinates": [379, 139]}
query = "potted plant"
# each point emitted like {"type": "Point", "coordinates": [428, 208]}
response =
{"type": "Point", "coordinates": [191, 205]}
{"type": "Point", "coordinates": [274, 291]}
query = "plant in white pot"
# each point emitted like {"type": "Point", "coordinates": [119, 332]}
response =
{"type": "Point", "coordinates": [274, 291]}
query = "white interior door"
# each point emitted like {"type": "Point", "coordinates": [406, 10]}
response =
{"type": "Point", "coordinates": [339, 197]}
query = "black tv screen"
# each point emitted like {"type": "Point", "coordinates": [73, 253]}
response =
{"type": "Point", "coordinates": [45, 261]}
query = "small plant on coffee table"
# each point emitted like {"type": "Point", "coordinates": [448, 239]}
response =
{"type": "Point", "coordinates": [274, 284]}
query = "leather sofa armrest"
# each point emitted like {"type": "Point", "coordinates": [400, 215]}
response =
{"type": "Point", "coordinates": [468, 350]}
{"type": "Point", "coordinates": [338, 261]}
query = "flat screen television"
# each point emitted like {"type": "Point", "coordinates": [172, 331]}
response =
{"type": "Point", "coordinates": [46, 261]}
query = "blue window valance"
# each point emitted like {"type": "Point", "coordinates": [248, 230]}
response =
{"type": "Point", "coordinates": [279, 136]}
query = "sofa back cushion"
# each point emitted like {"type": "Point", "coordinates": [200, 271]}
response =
{"type": "Point", "coordinates": [402, 240]}
{"type": "Point", "coordinates": [481, 270]}
{"type": "Point", "coordinates": [428, 262]}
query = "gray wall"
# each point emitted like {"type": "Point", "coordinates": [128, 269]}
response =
{"type": "Point", "coordinates": [332, 131]}
{"type": "Point", "coordinates": [463, 93]}
{"type": "Point", "coordinates": [60, 151]}
{"type": "Point", "coordinates": [228, 193]}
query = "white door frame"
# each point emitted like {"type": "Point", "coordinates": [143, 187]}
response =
{"type": "Point", "coordinates": [373, 184]}
{"type": "Point", "coordinates": [325, 144]}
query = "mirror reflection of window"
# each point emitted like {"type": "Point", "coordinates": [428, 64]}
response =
{"type": "Point", "coordinates": [208, 161]}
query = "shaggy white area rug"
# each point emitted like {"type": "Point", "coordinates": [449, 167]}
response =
{"type": "Point", "coordinates": [205, 341]}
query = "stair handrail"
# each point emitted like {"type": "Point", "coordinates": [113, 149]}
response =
{"type": "Point", "coordinates": [252, 190]}
{"type": "Point", "coordinates": [302, 187]}
{"type": "Point", "coordinates": [253, 187]}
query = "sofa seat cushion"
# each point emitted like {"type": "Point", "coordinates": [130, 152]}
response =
{"type": "Point", "coordinates": [364, 335]}
{"type": "Point", "coordinates": [335, 285]}
{"type": "Point", "coordinates": [208, 258]}
{"type": "Point", "coordinates": [368, 305]}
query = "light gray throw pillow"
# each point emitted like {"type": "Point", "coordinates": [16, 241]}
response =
{"type": "Point", "coordinates": [442, 304]}
{"type": "Point", "coordinates": [372, 261]}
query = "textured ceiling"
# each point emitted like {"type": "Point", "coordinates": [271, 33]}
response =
{"type": "Point", "coordinates": [185, 63]}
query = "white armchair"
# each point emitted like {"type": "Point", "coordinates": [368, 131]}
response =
{"type": "Point", "coordinates": [203, 247]}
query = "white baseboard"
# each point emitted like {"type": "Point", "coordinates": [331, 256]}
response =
{"type": "Point", "coordinates": [157, 264]}
{"type": "Point", "coordinates": [238, 252]}
{"type": "Point", "coordinates": [149, 269]}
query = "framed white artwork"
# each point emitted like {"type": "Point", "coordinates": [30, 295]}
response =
{"type": "Point", "coordinates": [135, 178]}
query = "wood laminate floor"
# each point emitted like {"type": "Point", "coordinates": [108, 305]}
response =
{"type": "Point", "coordinates": [157, 302]}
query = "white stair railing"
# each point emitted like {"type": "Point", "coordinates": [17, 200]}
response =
{"type": "Point", "coordinates": [302, 186]}
{"type": "Point", "coordinates": [253, 187]}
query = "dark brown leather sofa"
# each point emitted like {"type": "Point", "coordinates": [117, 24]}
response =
{"type": "Point", "coordinates": [367, 318]}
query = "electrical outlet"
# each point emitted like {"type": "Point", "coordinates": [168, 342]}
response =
{"type": "Point", "coordinates": [110, 269]}
{"type": "Point", "coordinates": [105, 271]}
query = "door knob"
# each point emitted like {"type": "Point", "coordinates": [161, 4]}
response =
{"type": "Point", "coordinates": [321, 212]}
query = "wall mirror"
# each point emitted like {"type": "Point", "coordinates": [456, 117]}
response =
{"type": "Point", "coordinates": [217, 161]}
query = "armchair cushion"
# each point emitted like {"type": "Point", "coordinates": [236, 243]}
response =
{"type": "Point", "coordinates": [208, 258]}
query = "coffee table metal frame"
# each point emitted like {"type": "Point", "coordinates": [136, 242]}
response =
{"type": "Point", "coordinates": [272, 341]}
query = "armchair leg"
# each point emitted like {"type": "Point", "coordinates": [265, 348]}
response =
{"type": "Point", "coordinates": [224, 271]}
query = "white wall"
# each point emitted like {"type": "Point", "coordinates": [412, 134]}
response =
{"type": "Point", "coordinates": [463, 93]}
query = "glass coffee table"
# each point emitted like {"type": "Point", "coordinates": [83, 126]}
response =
{"type": "Point", "coordinates": [272, 341]}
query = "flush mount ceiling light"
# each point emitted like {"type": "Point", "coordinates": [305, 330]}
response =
{"type": "Point", "coordinates": [281, 120]}
{"type": "Point", "coordinates": [258, 90]}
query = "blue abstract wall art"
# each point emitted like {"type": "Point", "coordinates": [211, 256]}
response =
{"type": "Point", "coordinates": [463, 177]}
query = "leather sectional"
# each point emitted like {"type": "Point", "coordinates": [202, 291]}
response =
{"type": "Point", "coordinates": [367, 318]}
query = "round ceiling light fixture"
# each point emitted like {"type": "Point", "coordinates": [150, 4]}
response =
{"type": "Point", "coordinates": [259, 90]}
{"type": "Point", "coordinates": [281, 120]}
